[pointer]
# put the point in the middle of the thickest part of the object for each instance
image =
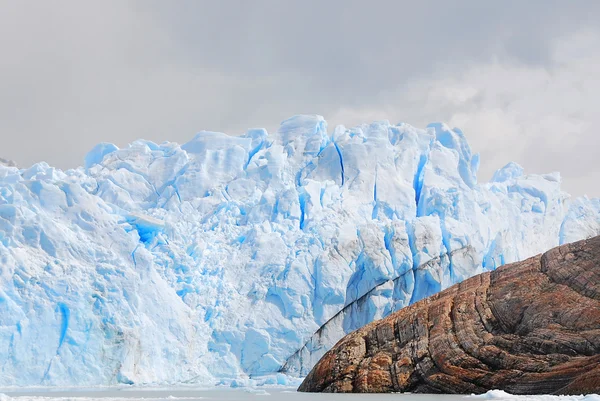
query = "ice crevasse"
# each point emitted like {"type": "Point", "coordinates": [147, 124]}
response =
{"type": "Point", "coordinates": [231, 257]}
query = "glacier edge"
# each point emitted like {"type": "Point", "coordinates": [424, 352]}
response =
{"type": "Point", "coordinates": [220, 258]}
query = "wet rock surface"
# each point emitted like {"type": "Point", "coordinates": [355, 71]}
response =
{"type": "Point", "coordinates": [531, 327]}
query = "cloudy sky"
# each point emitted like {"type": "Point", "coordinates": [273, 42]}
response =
{"type": "Point", "coordinates": [521, 78]}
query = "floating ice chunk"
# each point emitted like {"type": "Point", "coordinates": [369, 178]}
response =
{"type": "Point", "coordinates": [503, 395]}
{"type": "Point", "coordinates": [494, 395]}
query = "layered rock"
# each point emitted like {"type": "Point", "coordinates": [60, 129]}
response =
{"type": "Point", "coordinates": [532, 327]}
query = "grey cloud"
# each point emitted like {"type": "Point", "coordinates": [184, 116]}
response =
{"type": "Point", "coordinates": [73, 74]}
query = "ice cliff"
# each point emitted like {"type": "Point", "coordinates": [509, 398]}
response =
{"type": "Point", "coordinates": [228, 257]}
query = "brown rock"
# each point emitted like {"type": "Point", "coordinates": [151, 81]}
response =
{"type": "Point", "coordinates": [532, 327]}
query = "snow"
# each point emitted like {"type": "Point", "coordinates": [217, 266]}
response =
{"type": "Point", "coordinates": [503, 395]}
{"type": "Point", "coordinates": [229, 258]}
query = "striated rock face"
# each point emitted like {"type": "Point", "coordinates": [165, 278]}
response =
{"type": "Point", "coordinates": [532, 327]}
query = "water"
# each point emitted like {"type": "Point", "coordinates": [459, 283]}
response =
{"type": "Point", "coordinates": [249, 394]}
{"type": "Point", "coordinates": [226, 394]}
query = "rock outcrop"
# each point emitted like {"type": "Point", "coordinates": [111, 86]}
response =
{"type": "Point", "coordinates": [531, 327]}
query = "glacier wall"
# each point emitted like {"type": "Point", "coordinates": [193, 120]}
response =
{"type": "Point", "coordinates": [228, 257]}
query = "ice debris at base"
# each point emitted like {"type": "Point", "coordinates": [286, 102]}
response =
{"type": "Point", "coordinates": [503, 395]}
{"type": "Point", "coordinates": [276, 380]}
{"type": "Point", "coordinates": [221, 258]}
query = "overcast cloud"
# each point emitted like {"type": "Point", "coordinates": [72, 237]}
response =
{"type": "Point", "coordinates": [521, 78]}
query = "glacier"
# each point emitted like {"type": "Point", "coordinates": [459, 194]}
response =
{"type": "Point", "coordinates": [235, 257]}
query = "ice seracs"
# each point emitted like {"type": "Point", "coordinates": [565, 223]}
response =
{"type": "Point", "coordinates": [235, 256]}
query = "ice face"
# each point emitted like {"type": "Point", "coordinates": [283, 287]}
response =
{"type": "Point", "coordinates": [229, 257]}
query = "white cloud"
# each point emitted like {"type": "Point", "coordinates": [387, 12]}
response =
{"type": "Point", "coordinates": [544, 118]}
